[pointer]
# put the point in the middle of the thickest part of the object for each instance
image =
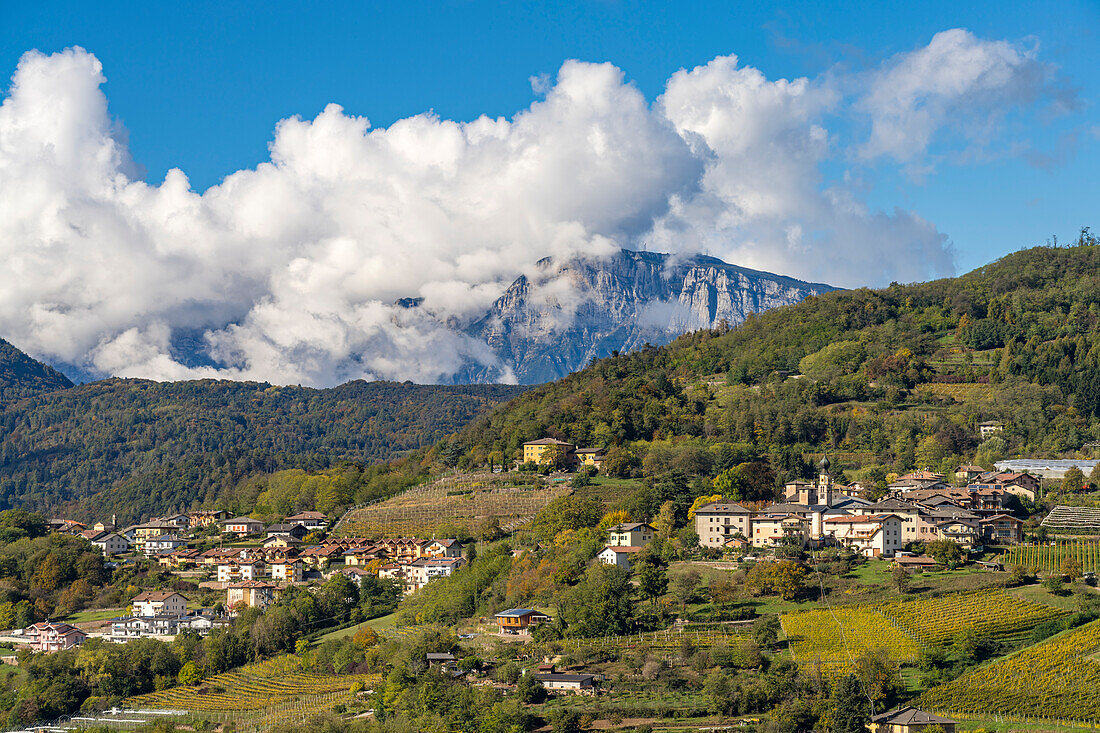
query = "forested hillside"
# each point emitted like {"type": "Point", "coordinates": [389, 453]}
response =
{"type": "Point", "coordinates": [888, 379]}
{"type": "Point", "coordinates": [138, 446]}
{"type": "Point", "coordinates": [891, 378]}
{"type": "Point", "coordinates": [22, 376]}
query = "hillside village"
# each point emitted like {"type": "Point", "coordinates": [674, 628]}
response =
{"type": "Point", "coordinates": [862, 513]}
{"type": "Point", "coordinates": [923, 522]}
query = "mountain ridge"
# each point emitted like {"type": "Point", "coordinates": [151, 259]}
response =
{"type": "Point", "coordinates": [568, 313]}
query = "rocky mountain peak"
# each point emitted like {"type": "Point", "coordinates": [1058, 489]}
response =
{"type": "Point", "coordinates": [571, 312]}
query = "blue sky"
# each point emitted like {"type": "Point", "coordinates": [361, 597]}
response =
{"type": "Point", "coordinates": [200, 85]}
{"type": "Point", "coordinates": [187, 162]}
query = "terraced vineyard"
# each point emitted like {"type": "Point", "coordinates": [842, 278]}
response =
{"type": "Point", "coordinates": [994, 613]}
{"type": "Point", "coordinates": [1073, 520]}
{"type": "Point", "coordinates": [832, 639]}
{"type": "Point", "coordinates": [1049, 557]}
{"type": "Point", "coordinates": [470, 501]}
{"type": "Point", "coordinates": [1058, 679]}
{"type": "Point", "coordinates": [277, 683]}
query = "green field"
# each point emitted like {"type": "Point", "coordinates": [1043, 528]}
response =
{"type": "Point", "coordinates": [96, 614]}
{"type": "Point", "coordinates": [380, 624]}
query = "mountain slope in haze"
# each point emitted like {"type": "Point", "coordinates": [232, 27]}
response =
{"type": "Point", "coordinates": [571, 313]}
{"type": "Point", "coordinates": [22, 376]}
{"type": "Point", "coordinates": [170, 444]}
{"type": "Point", "coordinates": [900, 375]}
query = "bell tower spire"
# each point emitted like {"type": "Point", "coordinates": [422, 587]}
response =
{"type": "Point", "coordinates": [824, 480]}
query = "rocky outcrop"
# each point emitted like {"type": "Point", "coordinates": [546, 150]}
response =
{"type": "Point", "coordinates": [570, 313]}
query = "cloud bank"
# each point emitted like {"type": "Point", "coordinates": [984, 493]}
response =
{"type": "Point", "coordinates": [289, 272]}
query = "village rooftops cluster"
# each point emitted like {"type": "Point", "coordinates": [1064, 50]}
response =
{"type": "Point", "coordinates": [920, 506]}
{"type": "Point", "coordinates": [164, 534]}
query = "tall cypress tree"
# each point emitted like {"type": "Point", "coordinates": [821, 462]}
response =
{"type": "Point", "coordinates": [851, 712]}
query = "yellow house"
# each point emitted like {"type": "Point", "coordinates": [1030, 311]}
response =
{"type": "Point", "coordinates": [589, 457]}
{"type": "Point", "coordinates": [534, 451]}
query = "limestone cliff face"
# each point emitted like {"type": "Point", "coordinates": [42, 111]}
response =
{"type": "Point", "coordinates": [570, 313]}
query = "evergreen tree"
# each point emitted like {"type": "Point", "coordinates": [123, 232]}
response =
{"type": "Point", "coordinates": [851, 712]}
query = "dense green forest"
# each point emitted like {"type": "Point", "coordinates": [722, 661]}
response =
{"type": "Point", "coordinates": [890, 378]}
{"type": "Point", "coordinates": [22, 376]}
{"type": "Point", "coordinates": [157, 446]}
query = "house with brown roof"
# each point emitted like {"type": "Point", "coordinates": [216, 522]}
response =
{"type": "Point", "coordinates": [280, 543]}
{"type": "Point", "coordinates": [962, 530]}
{"type": "Point", "coordinates": [241, 526]}
{"type": "Point", "coordinates": [232, 570]}
{"type": "Point", "coordinates": [618, 556]}
{"type": "Point", "coordinates": [909, 720]}
{"type": "Point", "coordinates": [287, 570]}
{"type": "Point", "coordinates": [310, 520]}
{"type": "Point", "coordinates": [355, 575]}
{"type": "Point", "coordinates": [441, 548]}
{"type": "Point", "coordinates": [630, 534]}
{"type": "Point", "coordinates": [179, 558]}
{"type": "Point", "coordinates": [48, 638]}
{"type": "Point", "coordinates": [393, 571]}
{"type": "Point", "coordinates": [66, 526]}
{"type": "Point", "coordinates": [1019, 483]}
{"type": "Point", "coordinates": [360, 555]}
{"type": "Point", "coordinates": [872, 535]}
{"type": "Point", "coordinates": [423, 570]}
{"type": "Point", "coordinates": [158, 602]}
{"type": "Point", "coordinates": [1002, 529]}
{"type": "Point", "coordinates": [206, 517]}
{"type": "Point", "coordinates": [589, 457]}
{"type": "Point", "coordinates": [908, 510]}
{"type": "Point", "coordinates": [915, 562]}
{"type": "Point", "coordinates": [537, 451]}
{"type": "Point", "coordinates": [967, 472]}
{"type": "Point", "coordinates": [777, 527]}
{"type": "Point", "coordinates": [319, 557]}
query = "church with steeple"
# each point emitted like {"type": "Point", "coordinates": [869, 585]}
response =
{"type": "Point", "coordinates": [822, 492]}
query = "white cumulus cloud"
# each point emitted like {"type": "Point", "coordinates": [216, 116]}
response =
{"type": "Point", "coordinates": [959, 83]}
{"type": "Point", "coordinates": [289, 272]}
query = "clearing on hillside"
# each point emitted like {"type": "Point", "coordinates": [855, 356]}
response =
{"type": "Point", "coordinates": [1057, 679]}
{"type": "Point", "coordinates": [471, 502]}
{"type": "Point", "coordinates": [698, 635]}
{"type": "Point", "coordinates": [959, 392]}
{"type": "Point", "coordinates": [278, 686]}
